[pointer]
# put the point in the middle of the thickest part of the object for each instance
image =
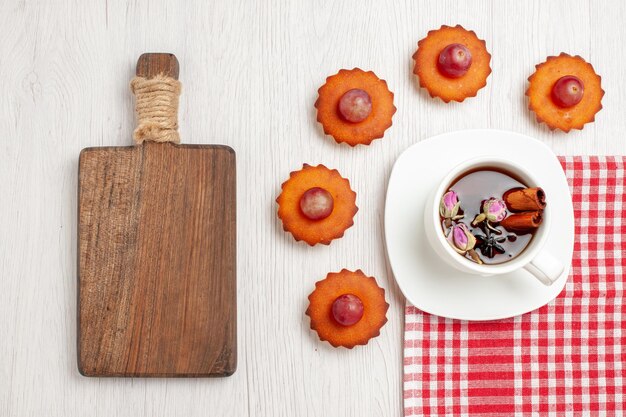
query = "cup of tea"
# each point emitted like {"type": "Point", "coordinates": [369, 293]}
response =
{"type": "Point", "coordinates": [490, 216]}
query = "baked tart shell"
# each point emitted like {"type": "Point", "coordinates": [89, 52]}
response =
{"type": "Point", "coordinates": [316, 231]}
{"type": "Point", "coordinates": [361, 133]}
{"type": "Point", "coordinates": [437, 84]}
{"type": "Point", "coordinates": [347, 282]}
{"type": "Point", "coordinates": [540, 93]}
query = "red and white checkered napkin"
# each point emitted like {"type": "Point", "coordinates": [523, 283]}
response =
{"type": "Point", "coordinates": [564, 359]}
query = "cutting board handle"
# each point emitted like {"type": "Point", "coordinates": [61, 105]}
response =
{"type": "Point", "coordinates": [156, 88]}
{"type": "Point", "coordinates": [151, 64]}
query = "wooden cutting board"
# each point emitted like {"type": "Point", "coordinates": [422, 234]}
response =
{"type": "Point", "coordinates": [156, 256]}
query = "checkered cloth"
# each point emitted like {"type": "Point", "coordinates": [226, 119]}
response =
{"type": "Point", "coordinates": [564, 359]}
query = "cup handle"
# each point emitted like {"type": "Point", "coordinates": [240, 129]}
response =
{"type": "Point", "coordinates": [545, 267]}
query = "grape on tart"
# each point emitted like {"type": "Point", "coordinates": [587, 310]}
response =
{"type": "Point", "coordinates": [316, 204]}
{"type": "Point", "coordinates": [355, 107]}
{"type": "Point", "coordinates": [565, 92]}
{"type": "Point", "coordinates": [347, 308]}
{"type": "Point", "coordinates": [452, 63]}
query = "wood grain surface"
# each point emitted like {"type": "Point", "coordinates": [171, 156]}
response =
{"type": "Point", "coordinates": [157, 261]}
{"type": "Point", "coordinates": [250, 72]}
{"type": "Point", "coordinates": [157, 256]}
{"type": "Point", "coordinates": [151, 64]}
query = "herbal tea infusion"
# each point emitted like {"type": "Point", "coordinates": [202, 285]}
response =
{"type": "Point", "coordinates": [490, 217]}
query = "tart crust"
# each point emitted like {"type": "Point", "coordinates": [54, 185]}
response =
{"type": "Point", "coordinates": [316, 231]}
{"type": "Point", "coordinates": [361, 133]}
{"type": "Point", "coordinates": [540, 93]}
{"type": "Point", "coordinates": [347, 282]}
{"type": "Point", "coordinates": [437, 84]}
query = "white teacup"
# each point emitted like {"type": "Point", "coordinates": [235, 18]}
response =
{"type": "Point", "coordinates": [534, 258]}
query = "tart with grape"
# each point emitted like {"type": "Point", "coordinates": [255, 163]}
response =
{"type": "Point", "coordinates": [565, 92]}
{"type": "Point", "coordinates": [347, 308]}
{"type": "Point", "coordinates": [316, 204]}
{"type": "Point", "coordinates": [355, 107]}
{"type": "Point", "coordinates": [452, 63]}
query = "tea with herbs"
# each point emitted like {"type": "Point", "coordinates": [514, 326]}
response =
{"type": "Point", "coordinates": [489, 217]}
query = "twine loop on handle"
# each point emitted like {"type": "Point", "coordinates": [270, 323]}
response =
{"type": "Point", "coordinates": [157, 109]}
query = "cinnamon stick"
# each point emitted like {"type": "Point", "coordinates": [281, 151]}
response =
{"type": "Point", "coordinates": [522, 223]}
{"type": "Point", "coordinates": [525, 199]}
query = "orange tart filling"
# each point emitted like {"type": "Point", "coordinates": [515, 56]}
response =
{"type": "Point", "coordinates": [565, 92]}
{"type": "Point", "coordinates": [355, 107]}
{"type": "Point", "coordinates": [347, 308]}
{"type": "Point", "coordinates": [316, 204]}
{"type": "Point", "coordinates": [452, 63]}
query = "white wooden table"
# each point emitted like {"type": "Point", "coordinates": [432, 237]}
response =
{"type": "Point", "coordinates": [250, 71]}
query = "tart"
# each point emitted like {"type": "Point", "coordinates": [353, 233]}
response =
{"type": "Point", "coordinates": [347, 308]}
{"type": "Point", "coordinates": [452, 63]}
{"type": "Point", "coordinates": [355, 107]}
{"type": "Point", "coordinates": [565, 92]}
{"type": "Point", "coordinates": [316, 204]}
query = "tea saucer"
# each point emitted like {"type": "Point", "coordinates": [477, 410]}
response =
{"type": "Point", "coordinates": [427, 281]}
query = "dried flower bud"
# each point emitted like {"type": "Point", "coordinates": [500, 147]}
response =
{"type": "Point", "coordinates": [461, 239]}
{"type": "Point", "coordinates": [494, 210]}
{"type": "Point", "coordinates": [449, 206]}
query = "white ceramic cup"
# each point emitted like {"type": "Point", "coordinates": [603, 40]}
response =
{"type": "Point", "coordinates": [534, 258]}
